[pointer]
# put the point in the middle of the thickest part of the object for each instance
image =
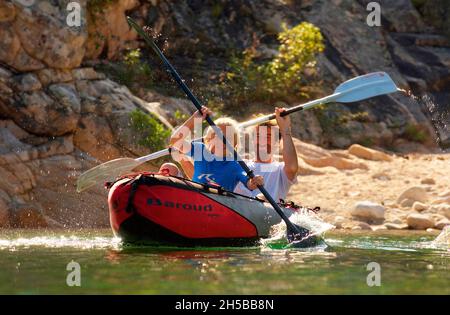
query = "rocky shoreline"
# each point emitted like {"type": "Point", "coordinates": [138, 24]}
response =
{"type": "Point", "coordinates": [366, 189]}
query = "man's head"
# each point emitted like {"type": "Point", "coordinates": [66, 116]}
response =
{"type": "Point", "coordinates": [266, 136]}
{"type": "Point", "coordinates": [169, 169]}
{"type": "Point", "coordinates": [230, 129]}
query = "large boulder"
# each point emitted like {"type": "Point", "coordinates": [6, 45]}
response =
{"type": "Point", "coordinates": [369, 212]}
{"type": "Point", "coordinates": [316, 156]}
{"type": "Point", "coordinates": [413, 194]}
{"type": "Point", "coordinates": [420, 221]}
{"type": "Point", "coordinates": [368, 154]}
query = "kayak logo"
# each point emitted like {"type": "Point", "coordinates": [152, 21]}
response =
{"type": "Point", "coordinates": [178, 205]}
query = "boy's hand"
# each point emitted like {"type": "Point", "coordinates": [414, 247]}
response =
{"type": "Point", "coordinates": [283, 122]}
{"type": "Point", "coordinates": [254, 182]}
{"type": "Point", "coordinates": [205, 112]}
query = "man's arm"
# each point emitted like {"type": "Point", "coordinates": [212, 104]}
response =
{"type": "Point", "coordinates": [188, 166]}
{"type": "Point", "coordinates": [289, 151]}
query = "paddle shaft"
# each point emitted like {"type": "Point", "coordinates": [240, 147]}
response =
{"type": "Point", "coordinates": [291, 227]}
{"type": "Point", "coordinates": [291, 110]}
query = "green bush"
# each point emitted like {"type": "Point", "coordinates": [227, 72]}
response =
{"type": "Point", "coordinates": [297, 52]}
{"type": "Point", "coordinates": [280, 78]}
{"type": "Point", "coordinates": [152, 134]}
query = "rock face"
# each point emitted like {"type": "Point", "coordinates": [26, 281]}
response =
{"type": "Point", "coordinates": [35, 35]}
{"type": "Point", "coordinates": [369, 212]}
{"type": "Point", "coordinates": [40, 145]}
{"type": "Point", "coordinates": [55, 112]}
{"type": "Point", "coordinates": [57, 119]}
{"type": "Point", "coordinates": [41, 135]}
{"type": "Point", "coordinates": [108, 29]}
{"type": "Point", "coordinates": [437, 13]}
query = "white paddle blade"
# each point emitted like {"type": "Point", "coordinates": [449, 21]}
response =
{"type": "Point", "coordinates": [365, 86]}
{"type": "Point", "coordinates": [105, 171]}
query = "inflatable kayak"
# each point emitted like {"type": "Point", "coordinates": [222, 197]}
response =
{"type": "Point", "coordinates": [153, 208]}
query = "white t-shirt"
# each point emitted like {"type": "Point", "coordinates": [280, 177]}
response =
{"type": "Point", "coordinates": [275, 180]}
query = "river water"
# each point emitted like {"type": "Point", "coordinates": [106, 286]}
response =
{"type": "Point", "coordinates": [35, 262]}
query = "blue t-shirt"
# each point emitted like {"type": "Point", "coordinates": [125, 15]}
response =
{"type": "Point", "coordinates": [207, 169]}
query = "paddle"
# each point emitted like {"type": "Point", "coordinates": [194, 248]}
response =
{"type": "Point", "coordinates": [114, 168]}
{"type": "Point", "coordinates": [353, 90]}
{"type": "Point", "coordinates": [295, 234]}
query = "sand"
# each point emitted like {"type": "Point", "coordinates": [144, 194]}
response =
{"type": "Point", "coordinates": [337, 191]}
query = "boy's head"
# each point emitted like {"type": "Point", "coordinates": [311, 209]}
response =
{"type": "Point", "coordinates": [169, 169]}
{"type": "Point", "coordinates": [230, 129]}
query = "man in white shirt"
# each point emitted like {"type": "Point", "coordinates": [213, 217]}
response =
{"type": "Point", "coordinates": [278, 176]}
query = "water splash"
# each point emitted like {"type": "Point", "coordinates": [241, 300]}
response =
{"type": "Point", "coordinates": [439, 116]}
{"type": "Point", "coordinates": [303, 218]}
{"type": "Point", "coordinates": [407, 92]}
{"type": "Point", "coordinates": [443, 240]}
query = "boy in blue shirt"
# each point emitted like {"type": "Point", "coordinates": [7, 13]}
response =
{"type": "Point", "coordinates": [213, 163]}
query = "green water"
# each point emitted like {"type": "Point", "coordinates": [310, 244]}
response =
{"type": "Point", "coordinates": [34, 262]}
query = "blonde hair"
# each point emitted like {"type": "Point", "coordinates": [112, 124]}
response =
{"type": "Point", "coordinates": [232, 128]}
